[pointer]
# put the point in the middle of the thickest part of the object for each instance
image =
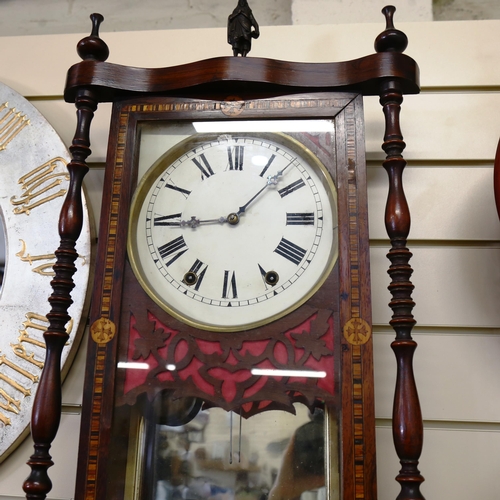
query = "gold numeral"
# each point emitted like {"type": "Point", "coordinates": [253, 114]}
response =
{"type": "Point", "coordinates": [11, 123]}
{"type": "Point", "coordinates": [36, 322]}
{"type": "Point", "coordinates": [20, 351]}
{"type": "Point", "coordinates": [43, 269]}
{"type": "Point", "coordinates": [12, 405]}
{"type": "Point", "coordinates": [40, 186]}
{"type": "Point", "coordinates": [13, 366]}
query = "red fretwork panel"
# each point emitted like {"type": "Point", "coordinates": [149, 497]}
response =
{"type": "Point", "coordinates": [192, 364]}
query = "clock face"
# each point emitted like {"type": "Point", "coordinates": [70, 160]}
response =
{"type": "Point", "coordinates": [231, 231]}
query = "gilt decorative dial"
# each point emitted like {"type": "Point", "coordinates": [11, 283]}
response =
{"type": "Point", "coordinates": [231, 231]}
{"type": "Point", "coordinates": [34, 181]}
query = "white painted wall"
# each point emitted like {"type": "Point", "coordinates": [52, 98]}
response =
{"type": "Point", "coordinates": [356, 11]}
{"type": "Point", "coordinates": [35, 17]}
{"type": "Point", "coordinates": [452, 130]}
{"type": "Point", "coordinates": [466, 9]}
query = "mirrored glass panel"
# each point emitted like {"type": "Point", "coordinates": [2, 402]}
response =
{"type": "Point", "coordinates": [219, 456]}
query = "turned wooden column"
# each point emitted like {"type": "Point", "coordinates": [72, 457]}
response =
{"type": "Point", "coordinates": [46, 412]}
{"type": "Point", "coordinates": [407, 425]}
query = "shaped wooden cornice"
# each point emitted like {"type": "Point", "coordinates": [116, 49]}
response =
{"type": "Point", "coordinates": [364, 75]}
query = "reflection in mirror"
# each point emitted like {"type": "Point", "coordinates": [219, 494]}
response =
{"type": "Point", "coordinates": [218, 456]}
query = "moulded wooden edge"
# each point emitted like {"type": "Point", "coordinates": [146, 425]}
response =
{"type": "Point", "coordinates": [363, 75]}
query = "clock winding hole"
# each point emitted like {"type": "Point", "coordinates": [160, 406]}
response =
{"type": "Point", "coordinates": [190, 278]}
{"type": "Point", "coordinates": [271, 278]}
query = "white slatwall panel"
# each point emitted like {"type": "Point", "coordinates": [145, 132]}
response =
{"type": "Point", "coordinates": [14, 470]}
{"type": "Point", "coordinates": [450, 54]}
{"type": "Point", "coordinates": [451, 131]}
{"type": "Point", "coordinates": [457, 464]}
{"type": "Point", "coordinates": [434, 126]}
{"type": "Point", "coordinates": [441, 198]}
{"type": "Point", "coordinates": [463, 384]}
{"type": "Point", "coordinates": [454, 286]}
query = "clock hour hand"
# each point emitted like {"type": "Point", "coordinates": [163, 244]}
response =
{"type": "Point", "coordinates": [195, 222]}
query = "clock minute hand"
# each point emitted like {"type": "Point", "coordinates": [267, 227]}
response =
{"type": "Point", "coordinates": [272, 180]}
{"type": "Point", "coordinates": [244, 207]}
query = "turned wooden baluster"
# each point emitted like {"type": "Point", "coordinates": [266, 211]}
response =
{"type": "Point", "coordinates": [407, 422]}
{"type": "Point", "coordinates": [47, 404]}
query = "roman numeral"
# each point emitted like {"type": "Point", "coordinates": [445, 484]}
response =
{"type": "Point", "coordinates": [235, 163]}
{"type": "Point", "coordinates": [300, 219]}
{"type": "Point", "coordinates": [206, 169]}
{"type": "Point", "coordinates": [290, 251]}
{"type": "Point", "coordinates": [176, 245]}
{"type": "Point", "coordinates": [165, 220]}
{"type": "Point", "coordinates": [195, 268]}
{"type": "Point", "coordinates": [229, 285]}
{"type": "Point", "coordinates": [179, 189]}
{"type": "Point", "coordinates": [291, 188]}
{"type": "Point", "coordinates": [268, 165]}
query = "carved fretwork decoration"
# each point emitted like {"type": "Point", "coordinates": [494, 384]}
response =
{"type": "Point", "coordinates": [220, 371]}
{"type": "Point", "coordinates": [146, 337]}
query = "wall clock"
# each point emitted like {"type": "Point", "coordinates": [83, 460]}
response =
{"type": "Point", "coordinates": [34, 180]}
{"type": "Point", "coordinates": [230, 353]}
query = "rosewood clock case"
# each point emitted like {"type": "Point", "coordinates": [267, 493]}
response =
{"type": "Point", "coordinates": [332, 327]}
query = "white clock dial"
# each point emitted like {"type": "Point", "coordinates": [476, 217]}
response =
{"type": "Point", "coordinates": [231, 231]}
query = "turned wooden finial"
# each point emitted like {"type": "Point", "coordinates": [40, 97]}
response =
{"type": "Point", "coordinates": [391, 39]}
{"type": "Point", "coordinates": [93, 47]}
